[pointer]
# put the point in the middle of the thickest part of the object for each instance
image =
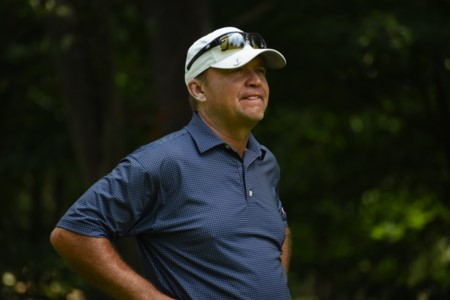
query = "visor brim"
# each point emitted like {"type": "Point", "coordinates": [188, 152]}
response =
{"type": "Point", "coordinates": [272, 58]}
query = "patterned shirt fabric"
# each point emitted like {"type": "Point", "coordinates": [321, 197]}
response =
{"type": "Point", "coordinates": [209, 224]}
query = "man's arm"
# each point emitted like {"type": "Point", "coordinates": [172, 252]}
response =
{"type": "Point", "coordinates": [96, 260]}
{"type": "Point", "coordinates": [286, 251]}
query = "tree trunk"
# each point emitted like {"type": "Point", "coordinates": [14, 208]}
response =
{"type": "Point", "coordinates": [85, 66]}
{"type": "Point", "coordinates": [175, 29]}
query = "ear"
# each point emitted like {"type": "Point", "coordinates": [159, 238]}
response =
{"type": "Point", "coordinates": [196, 90]}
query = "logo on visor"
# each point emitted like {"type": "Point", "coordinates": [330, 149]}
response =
{"type": "Point", "coordinates": [237, 62]}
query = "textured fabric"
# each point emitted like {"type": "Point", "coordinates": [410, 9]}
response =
{"type": "Point", "coordinates": [209, 225]}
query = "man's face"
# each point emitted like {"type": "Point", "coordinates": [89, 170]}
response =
{"type": "Point", "coordinates": [236, 97]}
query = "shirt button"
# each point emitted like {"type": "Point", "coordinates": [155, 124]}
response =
{"type": "Point", "coordinates": [250, 193]}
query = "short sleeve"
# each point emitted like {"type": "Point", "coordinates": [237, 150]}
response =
{"type": "Point", "coordinates": [114, 204]}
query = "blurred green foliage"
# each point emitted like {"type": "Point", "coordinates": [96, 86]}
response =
{"type": "Point", "coordinates": [359, 121]}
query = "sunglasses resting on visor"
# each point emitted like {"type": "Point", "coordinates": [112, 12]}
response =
{"type": "Point", "coordinates": [232, 40]}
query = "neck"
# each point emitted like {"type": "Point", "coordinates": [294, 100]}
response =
{"type": "Point", "coordinates": [235, 137]}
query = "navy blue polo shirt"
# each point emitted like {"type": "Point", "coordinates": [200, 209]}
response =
{"type": "Point", "coordinates": [208, 224]}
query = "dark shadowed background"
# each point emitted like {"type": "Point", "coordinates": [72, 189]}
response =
{"type": "Point", "coordinates": [359, 120]}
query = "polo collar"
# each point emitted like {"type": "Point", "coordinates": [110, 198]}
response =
{"type": "Point", "coordinates": [206, 139]}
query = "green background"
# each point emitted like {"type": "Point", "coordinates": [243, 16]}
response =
{"type": "Point", "coordinates": [359, 121]}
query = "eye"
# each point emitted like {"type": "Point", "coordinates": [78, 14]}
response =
{"type": "Point", "coordinates": [262, 71]}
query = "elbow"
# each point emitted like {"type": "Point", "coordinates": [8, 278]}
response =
{"type": "Point", "coordinates": [57, 238]}
{"type": "Point", "coordinates": [54, 236]}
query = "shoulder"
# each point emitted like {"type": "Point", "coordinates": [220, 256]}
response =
{"type": "Point", "coordinates": [173, 145]}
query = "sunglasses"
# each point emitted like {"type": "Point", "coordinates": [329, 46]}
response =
{"type": "Point", "coordinates": [232, 40]}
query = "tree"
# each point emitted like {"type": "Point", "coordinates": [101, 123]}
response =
{"type": "Point", "coordinates": [358, 121]}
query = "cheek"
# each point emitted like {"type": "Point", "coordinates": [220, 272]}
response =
{"type": "Point", "coordinates": [266, 88]}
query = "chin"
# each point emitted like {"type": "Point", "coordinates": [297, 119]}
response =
{"type": "Point", "coordinates": [256, 118]}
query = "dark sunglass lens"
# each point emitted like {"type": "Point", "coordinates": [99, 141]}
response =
{"type": "Point", "coordinates": [257, 41]}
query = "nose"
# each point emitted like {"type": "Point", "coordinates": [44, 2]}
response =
{"type": "Point", "coordinates": [254, 78]}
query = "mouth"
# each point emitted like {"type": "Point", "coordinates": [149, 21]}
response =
{"type": "Point", "coordinates": [253, 97]}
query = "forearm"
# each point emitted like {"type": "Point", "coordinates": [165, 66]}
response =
{"type": "Point", "coordinates": [286, 250]}
{"type": "Point", "coordinates": [97, 261]}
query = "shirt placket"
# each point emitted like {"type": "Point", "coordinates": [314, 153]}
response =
{"type": "Point", "coordinates": [246, 165]}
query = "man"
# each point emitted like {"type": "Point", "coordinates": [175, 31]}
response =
{"type": "Point", "coordinates": [202, 202]}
